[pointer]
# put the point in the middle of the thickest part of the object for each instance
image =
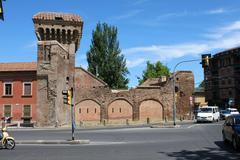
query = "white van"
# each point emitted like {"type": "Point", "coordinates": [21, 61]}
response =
{"type": "Point", "coordinates": [208, 114]}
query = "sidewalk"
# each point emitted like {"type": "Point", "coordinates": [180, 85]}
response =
{"type": "Point", "coordinates": [168, 124]}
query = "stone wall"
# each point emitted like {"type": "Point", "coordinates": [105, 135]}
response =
{"type": "Point", "coordinates": [51, 79]}
{"type": "Point", "coordinates": [141, 104]}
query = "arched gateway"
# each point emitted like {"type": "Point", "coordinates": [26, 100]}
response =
{"type": "Point", "coordinates": [150, 110]}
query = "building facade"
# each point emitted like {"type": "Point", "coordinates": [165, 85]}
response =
{"type": "Point", "coordinates": [59, 37]}
{"type": "Point", "coordinates": [18, 86]}
{"type": "Point", "coordinates": [222, 79]}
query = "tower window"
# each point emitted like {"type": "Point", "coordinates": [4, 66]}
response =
{"type": "Point", "coordinates": [58, 18]}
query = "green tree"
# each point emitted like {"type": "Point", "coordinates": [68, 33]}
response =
{"type": "Point", "coordinates": [202, 84]}
{"type": "Point", "coordinates": [154, 71]}
{"type": "Point", "coordinates": [105, 59]}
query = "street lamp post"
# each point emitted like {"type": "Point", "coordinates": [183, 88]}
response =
{"type": "Point", "coordinates": [174, 101]}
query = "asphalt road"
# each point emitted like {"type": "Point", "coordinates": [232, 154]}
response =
{"type": "Point", "coordinates": [193, 141]}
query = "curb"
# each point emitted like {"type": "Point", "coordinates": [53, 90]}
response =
{"type": "Point", "coordinates": [53, 142]}
{"type": "Point", "coordinates": [165, 126]}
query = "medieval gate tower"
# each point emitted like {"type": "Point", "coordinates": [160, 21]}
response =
{"type": "Point", "coordinates": [58, 37]}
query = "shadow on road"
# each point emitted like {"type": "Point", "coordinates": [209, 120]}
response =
{"type": "Point", "coordinates": [224, 152]}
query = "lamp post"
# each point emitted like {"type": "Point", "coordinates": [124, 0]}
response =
{"type": "Point", "coordinates": [174, 101]}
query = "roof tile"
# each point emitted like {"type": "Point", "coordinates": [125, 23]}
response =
{"type": "Point", "coordinates": [18, 66]}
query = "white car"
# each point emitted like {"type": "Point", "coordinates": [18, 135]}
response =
{"type": "Point", "coordinates": [208, 114]}
{"type": "Point", "coordinates": [232, 111]}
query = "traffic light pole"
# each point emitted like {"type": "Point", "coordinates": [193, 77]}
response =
{"type": "Point", "coordinates": [174, 85]}
{"type": "Point", "coordinates": [72, 114]}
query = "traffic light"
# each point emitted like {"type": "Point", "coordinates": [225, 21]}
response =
{"type": "Point", "coordinates": [69, 97]}
{"type": "Point", "coordinates": [205, 60]}
{"type": "Point", "coordinates": [65, 96]}
{"type": "Point", "coordinates": [1, 11]}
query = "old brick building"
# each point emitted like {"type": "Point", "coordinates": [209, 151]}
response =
{"type": "Point", "coordinates": [58, 40]}
{"type": "Point", "coordinates": [18, 92]}
{"type": "Point", "coordinates": [222, 79]}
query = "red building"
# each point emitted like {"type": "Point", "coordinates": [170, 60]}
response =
{"type": "Point", "coordinates": [18, 92]}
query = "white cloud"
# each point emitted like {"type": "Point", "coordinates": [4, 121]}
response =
{"type": "Point", "coordinates": [138, 2]}
{"type": "Point", "coordinates": [128, 14]}
{"type": "Point", "coordinates": [173, 14]}
{"type": "Point", "coordinates": [217, 11]}
{"type": "Point", "coordinates": [33, 44]}
{"type": "Point", "coordinates": [168, 52]}
{"type": "Point", "coordinates": [221, 38]}
{"type": "Point", "coordinates": [134, 63]}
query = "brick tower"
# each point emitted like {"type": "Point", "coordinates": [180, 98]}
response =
{"type": "Point", "coordinates": [58, 37]}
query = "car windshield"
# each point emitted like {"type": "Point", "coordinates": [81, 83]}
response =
{"type": "Point", "coordinates": [225, 112]}
{"type": "Point", "coordinates": [206, 110]}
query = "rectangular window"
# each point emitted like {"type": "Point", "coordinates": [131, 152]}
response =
{"type": "Point", "coordinates": [7, 89]}
{"type": "Point", "coordinates": [27, 88]}
{"type": "Point", "coordinates": [26, 111]}
{"type": "Point", "coordinates": [7, 110]}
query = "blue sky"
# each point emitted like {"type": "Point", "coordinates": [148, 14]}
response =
{"type": "Point", "coordinates": [148, 30]}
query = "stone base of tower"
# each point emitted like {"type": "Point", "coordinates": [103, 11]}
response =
{"type": "Point", "coordinates": [52, 79]}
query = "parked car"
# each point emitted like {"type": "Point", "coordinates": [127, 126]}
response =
{"type": "Point", "coordinates": [232, 110]}
{"type": "Point", "coordinates": [208, 114]}
{"type": "Point", "coordinates": [224, 114]}
{"type": "Point", "coordinates": [231, 130]}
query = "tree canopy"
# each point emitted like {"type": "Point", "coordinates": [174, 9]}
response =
{"type": "Point", "coordinates": [154, 71]}
{"type": "Point", "coordinates": [105, 59]}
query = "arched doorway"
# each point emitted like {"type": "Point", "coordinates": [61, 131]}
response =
{"type": "Point", "coordinates": [87, 110]}
{"type": "Point", "coordinates": [150, 111]}
{"type": "Point", "coordinates": [120, 110]}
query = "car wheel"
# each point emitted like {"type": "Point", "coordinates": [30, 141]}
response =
{"type": "Point", "coordinates": [234, 143]}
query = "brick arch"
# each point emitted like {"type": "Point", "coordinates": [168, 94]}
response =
{"type": "Point", "coordinates": [87, 110]}
{"type": "Point", "coordinates": [152, 109]}
{"type": "Point", "coordinates": [120, 109]}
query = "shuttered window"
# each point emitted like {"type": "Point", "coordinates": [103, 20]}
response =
{"type": "Point", "coordinates": [26, 111]}
{"type": "Point", "coordinates": [27, 88]}
{"type": "Point", "coordinates": [7, 110]}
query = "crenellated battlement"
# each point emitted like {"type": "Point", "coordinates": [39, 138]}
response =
{"type": "Point", "coordinates": [65, 28]}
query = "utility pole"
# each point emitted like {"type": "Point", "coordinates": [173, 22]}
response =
{"type": "Point", "coordinates": [68, 99]}
{"type": "Point", "coordinates": [72, 114]}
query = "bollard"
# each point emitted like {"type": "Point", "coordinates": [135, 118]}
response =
{"type": "Point", "coordinates": [148, 120]}
{"type": "Point", "coordinates": [81, 123]}
{"type": "Point", "coordinates": [127, 122]}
